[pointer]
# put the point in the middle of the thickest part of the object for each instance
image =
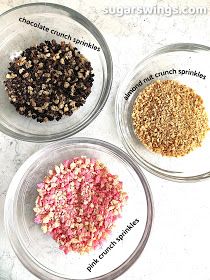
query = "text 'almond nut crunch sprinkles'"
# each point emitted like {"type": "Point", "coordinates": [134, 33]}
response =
{"type": "Point", "coordinates": [78, 203]}
{"type": "Point", "coordinates": [170, 118]}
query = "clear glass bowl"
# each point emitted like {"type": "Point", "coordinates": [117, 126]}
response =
{"type": "Point", "coordinates": [39, 253]}
{"type": "Point", "coordinates": [16, 36]}
{"type": "Point", "coordinates": [196, 165]}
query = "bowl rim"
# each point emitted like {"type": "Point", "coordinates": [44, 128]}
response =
{"type": "Point", "coordinates": [107, 83]}
{"type": "Point", "coordinates": [29, 261]}
{"type": "Point", "coordinates": [188, 47]}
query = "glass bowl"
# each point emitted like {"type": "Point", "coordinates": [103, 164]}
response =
{"type": "Point", "coordinates": [16, 36]}
{"type": "Point", "coordinates": [39, 253]}
{"type": "Point", "coordinates": [176, 59]}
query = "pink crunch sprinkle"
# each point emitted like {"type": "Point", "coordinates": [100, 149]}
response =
{"type": "Point", "coordinates": [78, 203]}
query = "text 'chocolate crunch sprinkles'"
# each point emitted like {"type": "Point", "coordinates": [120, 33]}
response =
{"type": "Point", "coordinates": [78, 203]}
{"type": "Point", "coordinates": [170, 118]}
{"type": "Point", "coordinates": [48, 81]}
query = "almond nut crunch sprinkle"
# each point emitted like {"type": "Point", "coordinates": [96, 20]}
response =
{"type": "Point", "coordinates": [170, 118]}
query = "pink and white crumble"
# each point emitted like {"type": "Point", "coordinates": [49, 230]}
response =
{"type": "Point", "coordinates": [78, 203]}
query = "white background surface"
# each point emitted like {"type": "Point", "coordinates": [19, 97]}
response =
{"type": "Point", "coordinates": [179, 245]}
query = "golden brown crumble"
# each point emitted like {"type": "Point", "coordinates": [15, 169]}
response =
{"type": "Point", "coordinates": [169, 118]}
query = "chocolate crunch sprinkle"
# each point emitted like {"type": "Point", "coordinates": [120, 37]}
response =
{"type": "Point", "coordinates": [48, 81]}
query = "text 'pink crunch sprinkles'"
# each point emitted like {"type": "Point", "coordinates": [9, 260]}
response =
{"type": "Point", "coordinates": [78, 203]}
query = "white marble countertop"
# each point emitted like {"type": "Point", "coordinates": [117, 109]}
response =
{"type": "Point", "coordinates": [179, 246]}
